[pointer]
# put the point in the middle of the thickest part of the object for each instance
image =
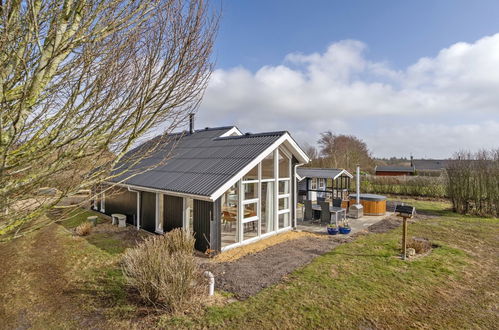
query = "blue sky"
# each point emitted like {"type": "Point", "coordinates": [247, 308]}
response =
{"type": "Point", "coordinates": [435, 60]}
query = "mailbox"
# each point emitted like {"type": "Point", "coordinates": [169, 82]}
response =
{"type": "Point", "coordinates": [405, 211]}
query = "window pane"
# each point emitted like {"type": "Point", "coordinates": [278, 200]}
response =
{"type": "Point", "coordinates": [284, 166]}
{"type": "Point", "coordinates": [284, 220]}
{"type": "Point", "coordinates": [229, 216]}
{"type": "Point", "coordinates": [250, 190]}
{"type": "Point", "coordinates": [268, 167]}
{"type": "Point", "coordinates": [249, 210]}
{"type": "Point", "coordinates": [313, 184]}
{"type": "Point", "coordinates": [250, 230]}
{"type": "Point", "coordinates": [283, 203]}
{"type": "Point", "coordinates": [252, 174]}
{"type": "Point", "coordinates": [267, 207]}
{"type": "Point", "coordinates": [283, 187]}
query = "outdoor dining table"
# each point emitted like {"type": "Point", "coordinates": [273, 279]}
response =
{"type": "Point", "coordinates": [332, 209]}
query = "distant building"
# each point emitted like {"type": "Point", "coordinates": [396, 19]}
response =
{"type": "Point", "coordinates": [394, 170]}
{"type": "Point", "coordinates": [430, 165]}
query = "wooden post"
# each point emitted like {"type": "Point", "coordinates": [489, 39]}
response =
{"type": "Point", "coordinates": [404, 239]}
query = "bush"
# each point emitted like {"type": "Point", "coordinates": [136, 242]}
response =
{"type": "Point", "coordinates": [84, 229]}
{"type": "Point", "coordinates": [164, 271]}
{"type": "Point", "coordinates": [420, 245]}
{"type": "Point", "coordinates": [424, 186]}
{"type": "Point", "coordinates": [473, 183]}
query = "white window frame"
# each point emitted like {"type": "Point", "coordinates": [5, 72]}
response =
{"type": "Point", "coordinates": [313, 184]}
{"type": "Point", "coordinates": [103, 202]}
{"type": "Point", "coordinates": [186, 214]}
{"type": "Point", "coordinates": [159, 213]}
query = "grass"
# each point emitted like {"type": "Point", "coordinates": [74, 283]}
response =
{"type": "Point", "coordinates": [77, 216]}
{"type": "Point", "coordinates": [56, 280]}
{"type": "Point", "coordinates": [363, 284]}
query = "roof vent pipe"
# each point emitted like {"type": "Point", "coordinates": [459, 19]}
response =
{"type": "Point", "coordinates": [191, 123]}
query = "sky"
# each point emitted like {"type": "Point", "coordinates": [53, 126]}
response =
{"type": "Point", "coordinates": [414, 78]}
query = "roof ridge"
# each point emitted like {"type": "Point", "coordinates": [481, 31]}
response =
{"type": "Point", "coordinates": [250, 135]}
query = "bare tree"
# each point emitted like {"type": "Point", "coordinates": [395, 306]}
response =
{"type": "Point", "coordinates": [81, 81]}
{"type": "Point", "coordinates": [344, 151]}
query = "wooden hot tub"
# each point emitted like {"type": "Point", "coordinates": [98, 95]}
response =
{"type": "Point", "coordinates": [372, 204]}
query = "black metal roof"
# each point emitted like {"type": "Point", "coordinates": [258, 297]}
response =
{"type": "Point", "coordinates": [431, 164]}
{"type": "Point", "coordinates": [197, 164]}
{"type": "Point", "coordinates": [324, 173]}
{"type": "Point", "coordinates": [408, 169]}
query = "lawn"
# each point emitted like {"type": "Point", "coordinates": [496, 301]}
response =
{"type": "Point", "coordinates": [361, 284]}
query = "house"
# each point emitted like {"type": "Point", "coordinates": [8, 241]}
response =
{"type": "Point", "coordinates": [226, 187]}
{"type": "Point", "coordinates": [325, 183]}
{"type": "Point", "coordinates": [430, 165]}
{"type": "Point", "coordinates": [394, 170]}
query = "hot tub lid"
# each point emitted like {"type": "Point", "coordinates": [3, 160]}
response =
{"type": "Point", "coordinates": [369, 197]}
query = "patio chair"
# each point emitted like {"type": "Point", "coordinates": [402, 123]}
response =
{"type": "Point", "coordinates": [325, 212]}
{"type": "Point", "coordinates": [337, 202]}
{"type": "Point", "coordinates": [309, 212]}
{"type": "Point", "coordinates": [321, 199]}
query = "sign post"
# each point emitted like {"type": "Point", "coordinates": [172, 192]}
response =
{"type": "Point", "coordinates": [406, 212]}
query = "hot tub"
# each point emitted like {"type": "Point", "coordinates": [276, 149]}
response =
{"type": "Point", "coordinates": [372, 204]}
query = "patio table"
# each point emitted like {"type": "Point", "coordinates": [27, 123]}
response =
{"type": "Point", "coordinates": [332, 209]}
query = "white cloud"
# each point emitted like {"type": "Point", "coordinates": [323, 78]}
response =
{"type": "Point", "coordinates": [434, 107]}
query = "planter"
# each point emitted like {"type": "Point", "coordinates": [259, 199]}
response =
{"type": "Point", "coordinates": [332, 231]}
{"type": "Point", "coordinates": [345, 230]}
{"type": "Point", "coordinates": [93, 220]}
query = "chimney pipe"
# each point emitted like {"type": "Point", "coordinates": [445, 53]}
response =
{"type": "Point", "coordinates": [358, 184]}
{"type": "Point", "coordinates": [191, 123]}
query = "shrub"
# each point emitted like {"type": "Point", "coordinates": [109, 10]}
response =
{"type": "Point", "coordinates": [473, 183]}
{"type": "Point", "coordinates": [164, 271]}
{"type": "Point", "coordinates": [420, 245]}
{"type": "Point", "coordinates": [84, 229]}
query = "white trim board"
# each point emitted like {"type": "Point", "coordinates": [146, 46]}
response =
{"type": "Point", "coordinates": [284, 139]}
{"type": "Point", "coordinates": [232, 131]}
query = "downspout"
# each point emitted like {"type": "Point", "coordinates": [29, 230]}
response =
{"type": "Point", "coordinates": [138, 206]}
{"type": "Point", "coordinates": [295, 194]}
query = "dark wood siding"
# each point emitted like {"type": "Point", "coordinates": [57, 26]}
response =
{"type": "Point", "coordinates": [120, 200]}
{"type": "Point", "coordinates": [173, 209]}
{"type": "Point", "coordinates": [148, 211]}
{"type": "Point", "coordinates": [207, 225]}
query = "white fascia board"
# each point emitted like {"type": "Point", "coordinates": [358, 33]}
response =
{"type": "Point", "coordinates": [292, 146]}
{"type": "Point", "coordinates": [232, 131]}
{"type": "Point", "coordinates": [296, 150]}
{"type": "Point", "coordinates": [167, 192]}
{"type": "Point", "coordinates": [344, 172]}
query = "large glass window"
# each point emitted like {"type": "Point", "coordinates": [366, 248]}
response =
{"type": "Point", "coordinates": [250, 190]}
{"type": "Point", "coordinates": [250, 229]}
{"type": "Point", "coordinates": [268, 167]}
{"type": "Point", "coordinates": [284, 203]}
{"type": "Point", "coordinates": [252, 174]}
{"type": "Point", "coordinates": [284, 166]}
{"type": "Point", "coordinates": [267, 202]}
{"type": "Point", "coordinates": [283, 187]}
{"type": "Point", "coordinates": [229, 216]}
{"type": "Point", "coordinates": [284, 220]}
{"type": "Point", "coordinates": [250, 210]}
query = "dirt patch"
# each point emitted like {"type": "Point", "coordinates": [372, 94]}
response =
{"type": "Point", "coordinates": [237, 253]}
{"type": "Point", "coordinates": [252, 273]}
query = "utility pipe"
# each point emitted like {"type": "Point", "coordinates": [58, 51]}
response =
{"type": "Point", "coordinates": [358, 185]}
{"type": "Point", "coordinates": [211, 279]}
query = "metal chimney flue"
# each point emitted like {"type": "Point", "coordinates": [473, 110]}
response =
{"type": "Point", "coordinates": [356, 210]}
{"type": "Point", "coordinates": [191, 123]}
